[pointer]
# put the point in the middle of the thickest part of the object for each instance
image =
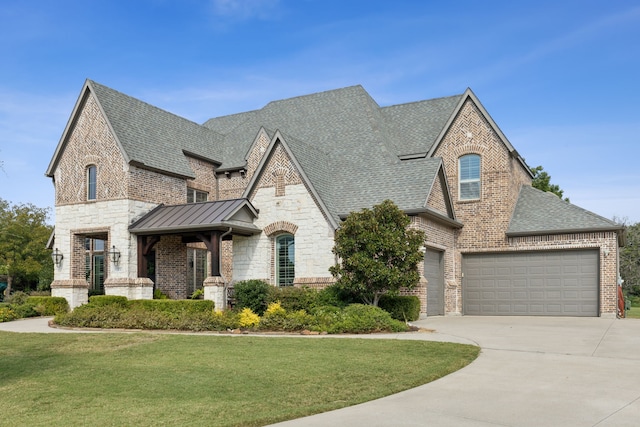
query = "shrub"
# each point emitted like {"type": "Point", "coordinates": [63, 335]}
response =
{"type": "Point", "coordinates": [291, 298]}
{"type": "Point", "coordinates": [173, 306]}
{"type": "Point", "coordinates": [17, 298]}
{"type": "Point", "coordinates": [102, 300]}
{"type": "Point", "coordinates": [225, 320]}
{"type": "Point", "coordinates": [47, 305]}
{"type": "Point", "coordinates": [24, 310]}
{"type": "Point", "coordinates": [158, 294]}
{"type": "Point", "coordinates": [359, 319]}
{"type": "Point", "coordinates": [336, 296]}
{"type": "Point", "coordinates": [6, 314]}
{"type": "Point", "coordinates": [92, 316]}
{"type": "Point", "coordinates": [197, 294]}
{"type": "Point", "coordinates": [248, 319]}
{"type": "Point", "coordinates": [403, 308]}
{"type": "Point", "coordinates": [253, 294]}
{"type": "Point", "coordinates": [276, 318]}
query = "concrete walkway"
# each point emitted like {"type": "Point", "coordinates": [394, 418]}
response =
{"type": "Point", "coordinates": [533, 371]}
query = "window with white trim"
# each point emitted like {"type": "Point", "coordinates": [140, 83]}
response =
{"type": "Point", "coordinates": [285, 260]}
{"type": "Point", "coordinates": [469, 177]}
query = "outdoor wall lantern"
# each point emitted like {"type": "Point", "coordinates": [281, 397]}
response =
{"type": "Point", "coordinates": [57, 256]}
{"type": "Point", "coordinates": [114, 255]}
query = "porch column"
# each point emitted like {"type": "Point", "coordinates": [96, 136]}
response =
{"type": "Point", "coordinates": [214, 284]}
{"type": "Point", "coordinates": [212, 242]}
{"type": "Point", "coordinates": [145, 244]}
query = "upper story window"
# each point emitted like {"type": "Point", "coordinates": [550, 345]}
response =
{"type": "Point", "coordinates": [285, 260]}
{"type": "Point", "coordinates": [196, 196]}
{"type": "Point", "coordinates": [92, 177]}
{"type": "Point", "coordinates": [469, 177]}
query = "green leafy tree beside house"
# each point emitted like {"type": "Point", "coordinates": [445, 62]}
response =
{"type": "Point", "coordinates": [378, 254]}
{"type": "Point", "coordinates": [24, 260]}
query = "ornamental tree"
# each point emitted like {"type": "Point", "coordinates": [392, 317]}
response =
{"type": "Point", "coordinates": [378, 254]}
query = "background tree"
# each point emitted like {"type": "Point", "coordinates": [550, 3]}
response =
{"type": "Point", "coordinates": [542, 181]}
{"type": "Point", "coordinates": [630, 258]}
{"type": "Point", "coordinates": [24, 233]}
{"type": "Point", "coordinates": [377, 253]}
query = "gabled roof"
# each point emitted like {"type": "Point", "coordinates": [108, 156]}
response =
{"type": "Point", "coordinates": [236, 215]}
{"type": "Point", "coordinates": [148, 136]}
{"type": "Point", "coordinates": [538, 213]}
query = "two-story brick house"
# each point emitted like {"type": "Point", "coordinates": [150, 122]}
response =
{"type": "Point", "coordinates": [146, 199]}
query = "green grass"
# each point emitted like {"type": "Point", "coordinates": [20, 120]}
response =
{"type": "Point", "coordinates": [148, 379]}
{"type": "Point", "coordinates": [633, 313]}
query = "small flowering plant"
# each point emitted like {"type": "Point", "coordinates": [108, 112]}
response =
{"type": "Point", "coordinates": [248, 319]}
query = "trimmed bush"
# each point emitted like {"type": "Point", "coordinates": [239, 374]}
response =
{"type": "Point", "coordinates": [253, 294]}
{"type": "Point", "coordinates": [102, 300]}
{"type": "Point", "coordinates": [173, 306]}
{"type": "Point", "coordinates": [276, 318]}
{"type": "Point", "coordinates": [47, 305]}
{"type": "Point", "coordinates": [292, 298]}
{"type": "Point", "coordinates": [363, 319]}
{"type": "Point", "coordinates": [401, 307]}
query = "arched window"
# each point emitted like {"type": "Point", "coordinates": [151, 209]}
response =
{"type": "Point", "coordinates": [285, 260]}
{"type": "Point", "coordinates": [469, 177]}
{"type": "Point", "coordinates": [91, 182]}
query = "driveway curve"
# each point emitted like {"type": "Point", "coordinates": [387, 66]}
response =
{"type": "Point", "coordinates": [532, 371]}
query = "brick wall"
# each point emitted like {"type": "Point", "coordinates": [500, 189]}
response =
{"type": "Point", "coordinates": [171, 267]}
{"type": "Point", "coordinates": [443, 238]}
{"type": "Point", "coordinates": [90, 142]}
{"type": "Point", "coordinates": [205, 179]}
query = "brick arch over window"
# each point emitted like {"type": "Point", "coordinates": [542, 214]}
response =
{"type": "Point", "coordinates": [280, 227]}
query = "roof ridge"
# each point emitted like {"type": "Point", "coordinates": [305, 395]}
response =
{"type": "Point", "coordinates": [124, 95]}
{"type": "Point", "coordinates": [421, 101]}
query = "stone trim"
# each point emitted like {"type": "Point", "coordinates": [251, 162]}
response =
{"type": "Point", "coordinates": [69, 284]}
{"type": "Point", "coordinates": [313, 282]}
{"type": "Point", "coordinates": [280, 226]}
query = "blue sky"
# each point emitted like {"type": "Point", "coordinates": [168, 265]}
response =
{"type": "Point", "coordinates": [559, 77]}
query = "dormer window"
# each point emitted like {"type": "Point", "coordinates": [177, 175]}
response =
{"type": "Point", "coordinates": [469, 177]}
{"type": "Point", "coordinates": [92, 178]}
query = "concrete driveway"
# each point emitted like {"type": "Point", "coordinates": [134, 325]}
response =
{"type": "Point", "coordinates": [533, 371]}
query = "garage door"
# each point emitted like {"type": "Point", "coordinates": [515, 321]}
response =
{"type": "Point", "coordinates": [531, 284]}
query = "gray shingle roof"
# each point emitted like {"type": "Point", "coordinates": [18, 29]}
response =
{"type": "Point", "coordinates": [413, 128]}
{"type": "Point", "coordinates": [538, 212]}
{"type": "Point", "coordinates": [153, 137]}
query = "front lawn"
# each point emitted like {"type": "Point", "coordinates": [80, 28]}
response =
{"type": "Point", "coordinates": [147, 379]}
{"type": "Point", "coordinates": [633, 313]}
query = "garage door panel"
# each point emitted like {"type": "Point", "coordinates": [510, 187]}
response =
{"type": "Point", "coordinates": [552, 283]}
